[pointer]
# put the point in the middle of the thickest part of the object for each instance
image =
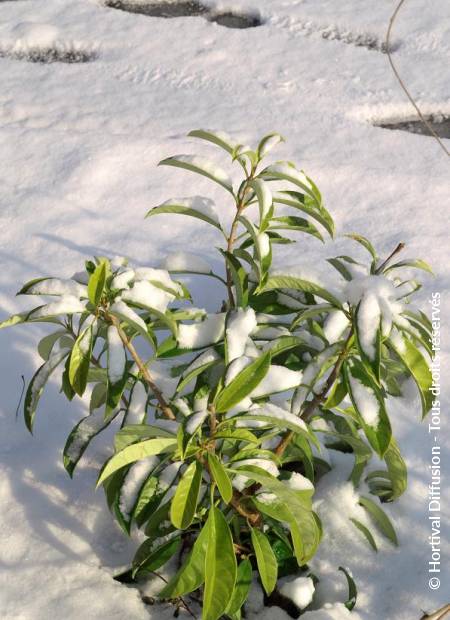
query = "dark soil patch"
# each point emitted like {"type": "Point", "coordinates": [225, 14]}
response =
{"type": "Point", "coordinates": [160, 9]}
{"type": "Point", "coordinates": [441, 125]}
{"type": "Point", "coordinates": [49, 55]}
{"type": "Point", "coordinates": [236, 20]}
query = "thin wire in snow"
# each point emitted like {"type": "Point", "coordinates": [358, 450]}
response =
{"type": "Point", "coordinates": [402, 84]}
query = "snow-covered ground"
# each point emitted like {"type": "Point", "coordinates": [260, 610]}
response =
{"type": "Point", "coordinates": [79, 144]}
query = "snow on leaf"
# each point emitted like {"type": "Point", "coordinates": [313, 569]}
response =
{"type": "Point", "coordinates": [240, 324]}
{"type": "Point", "coordinates": [203, 334]}
{"type": "Point", "coordinates": [54, 286]}
{"type": "Point", "coordinates": [201, 166]}
{"type": "Point", "coordinates": [116, 356]}
{"type": "Point", "coordinates": [68, 304]}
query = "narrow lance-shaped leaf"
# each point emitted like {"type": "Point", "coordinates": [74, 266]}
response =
{"type": "Point", "coordinates": [37, 385]}
{"type": "Point", "coordinates": [201, 166]}
{"type": "Point", "coordinates": [277, 281]}
{"type": "Point", "coordinates": [380, 518]}
{"type": "Point", "coordinates": [369, 404]}
{"type": "Point", "coordinates": [265, 559]}
{"type": "Point", "coordinates": [184, 502]}
{"type": "Point", "coordinates": [239, 277]}
{"type": "Point", "coordinates": [80, 359]}
{"type": "Point", "coordinates": [415, 363]}
{"type": "Point", "coordinates": [220, 567]}
{"type": "Point", "coordinates": [191, 575]}
{"type": "Point", "coordinates": [97, 282]}
{"type": "Point", "coordinates": [81, 436]}
{"type": "Point", "coordinates": [306, 205]}
{"type": "Point", "coordinates": [242, 587]}
{"type": "Point", "coordinates": [197, 207]}
{"type": "Point", "coordinates": [220, 477]}
{"type": "Point", "coordinates": [352, 591]}
{"type": "Point", "coordinates": [150, 556]}
{"type": "Point", "coordinates": [135, 452]}
{"type": "Point", "coordinates": [244, 383]}
{"type": "Point", "coordinates": [365, 532]}
{"type": "Point", "coordinates": [264, 196]}
{"type": "Point", "coordinates": [219, 138]}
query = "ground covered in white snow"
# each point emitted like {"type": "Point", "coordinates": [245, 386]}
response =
{"type": "Point", "coordinates": [79, 142]}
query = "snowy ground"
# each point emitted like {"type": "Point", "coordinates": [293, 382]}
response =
{"type": "Point", "coordinates": [79, 144]}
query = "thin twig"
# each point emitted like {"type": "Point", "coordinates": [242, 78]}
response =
{"type": "Point", "coordinates": [165, 408]}
{"type": "Point", "coordinates": [398, 249]}
{"type": "Point", "coordinates": [402, 84]}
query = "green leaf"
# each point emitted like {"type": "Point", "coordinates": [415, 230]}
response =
{"type": "Point", "coordinates": [352, 591]}
{"type": "Point", "coordinates": [298, 224]}
{"type": "Point", "coordinates": [284, 171]}
{"type": "Point", "coordinates": [416, 264]}
{"type": "Point", "coordinates": [243, 384]}
{"type": "Point", "coordinates": [306, 205]}
{"type": "Point", "coordinates": [192, 574]}
{"type": "Point", "coordinates": [398, 473]}
{"type": "Point", "coordinates": [190, 375]}
{"type": "Point", "coordinates": [149, 557]}
{"type": "Point", "coordinates": [220, 567]}
{"type": "Point", "coordinates": [242, 588]}
{"type": "Point", "coordinates": [47, 343]}
{"type": "Point", "coordinates": [136, 452]}
{"type": "Point", "coordinates": [137, 432]}
{"type": "Point", "coordinates": [268, 143]}
{"type": "Point", "coordinates": [415, 363]}
{"type": "Point", "coordinates": [298, 284]}
{"type": "Point", "coordinates": [266, 560]}
{"type": "Point", "coordinates": [369, 340]}
{"type": "Point", "coordinates": [81, 436]}
{"type": "Point", "coordinates": [201, 166]}
{"type": "Point", "coordinates": [366, 533]}
{"type": "Point", "coordinates": [239, 276]}
{"type": "Point", "coordinates": [97, 281]}
{"type": "Point", "coordinates": [369, 404]}
{"type": "Point", "coordinates": [279, 511]}
{"type": "Point", "coordinates": [220, 477]}
{"type": "Point", "coordinates": [239, 434]}
{"type": "Point", "coordinates": [80, 360]}
{"type": "Point", "coordinates": [184, 503]}
{"type": "Point", "coordinates": [380, 518]}
{"type": "Point", "coordinates": [310, 530]}
{"type": "Point", "coordinates": [264, 196]}
{"type": "Point", "coordinates": [364, 242]}
{"type": "Point", "coordinates": [219, 138]}
{"type": "Point", "coordinates": [37, 384]}
{"type": "Point", "coordinates": [341, 268]}
{"type": "Point", "coordinates": [184, 206]}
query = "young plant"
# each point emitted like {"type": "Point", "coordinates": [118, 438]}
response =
{"type": "Point", "coordinates": [217, 447]}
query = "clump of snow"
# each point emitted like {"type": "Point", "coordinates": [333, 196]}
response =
{"type": "Point", "coordinates": [179, 262]}
{"type": "Point", "coordinates": [137, 406]}
{"type": "Point", "coordinates": [240, 324]}
{"type": "Point", "coordinates": [263, 244]}
{"type": "Point", "coordinates": [335, 325]}
{"type": "Point", "coordinates": [369, 316]}
{"type": "Point", "coordinates": [195, 421]}
{"type": "Point", "coordinates": [87, 428]}
{"type": "Point", "coordinates": [122, 280]}
{"type": "Point", "coordinates": [121, 308]}
{"type": "Point", "coordinates": [202, 334]}
{"type": "Point", "coordinates": [273, 411]}
{"type": "Point", "coordinates": [148, 295]}
{"type": "Point", "coordinates": [116, 356]}
{"type": "Point", "coordinates": [240, 481]}
{"type": "Point", "coordinates": [338, 611]}
{"type": "Point", "coordinates": [299, 590]}
{"type": "Point", "coordinates": [68, 304]}
{"type": "Point", "coordinates": [277, 379]}
{"type": "Point", "coordinates": [366, 402]}
{"type": "Point", "coordinates": [135, 478]}
{"type": "Point", "coordinates": [297, 482]}
{"type": "Point", "coordinates": [56, 286]}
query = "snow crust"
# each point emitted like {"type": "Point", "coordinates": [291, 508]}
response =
{"type": "Point", "coordinates": [300, 591]}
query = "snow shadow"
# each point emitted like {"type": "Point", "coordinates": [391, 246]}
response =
{"type": "Point", "coordinates": [189, 8]}
{"type": "Point", "coordinates": [439, 123]}
{"type": "Point", "coordinates": [47, 55]}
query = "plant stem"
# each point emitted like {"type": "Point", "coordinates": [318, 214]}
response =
{"type": "Point", "coordinates": [398, 249]}
{"type": "Point", "coordinates": [165, 408]}
{"type": "Point", "coordinates": [318, 399]}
